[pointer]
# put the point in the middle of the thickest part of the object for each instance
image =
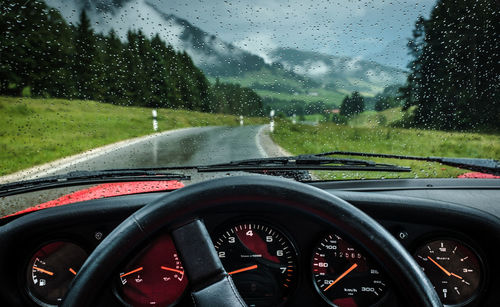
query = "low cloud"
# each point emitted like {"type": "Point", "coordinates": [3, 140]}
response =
{"type": "Point", "coordinates": [259, 44]}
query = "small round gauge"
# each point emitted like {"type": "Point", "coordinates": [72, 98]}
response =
{"type": "Point", "coordinates": [453, 268]}
{"type": "Point", "coordinates": [51, 270]}
{"type": "Point", "coordinates": [154, 277]}
{"type": "Point", "coordinates": [344, 276]}
{"type": "Point", "coordinates": [261, 261]}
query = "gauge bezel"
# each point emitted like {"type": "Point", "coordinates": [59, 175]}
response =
{"type": "Point", "coordinates": [32, 252]}
{"type": "Point", "coordinates": [359, 248]}
{"type": "Point", "coordinates": [231, 222]}
{"type": "Point", "coordinates": [465, 241]}
{"type": "Point", "coordinates": [137, 252]}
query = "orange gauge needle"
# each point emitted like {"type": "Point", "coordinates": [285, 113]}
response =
{"type": "Point", "coordinates": [443, 269]}
{"type": "Point", "coordinates": [72, 271]}
{"type": "Point", "coordinates": [172, 270]}
{"type": "Point", "coordinates": [252, 267]}
{"type": "Point", "coordinates": [342, 276]}
{"type": "Point", "coordinates": [439, 266]}
{"type": "Point", "coordinates": [131, 272]}
{"type": "Point", "coordinates": [43, 271]}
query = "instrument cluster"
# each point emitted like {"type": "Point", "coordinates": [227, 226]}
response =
{"type": "Point", "coordinates": [264, 263]}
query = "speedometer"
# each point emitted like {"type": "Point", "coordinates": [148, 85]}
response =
{"type": "Point", "coordinates": [261, 261]}
{"type": "Point", "coordinates": [344, 276]}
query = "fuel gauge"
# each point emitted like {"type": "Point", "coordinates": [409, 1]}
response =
{"type": "Point", "coordinates": [51, 270]}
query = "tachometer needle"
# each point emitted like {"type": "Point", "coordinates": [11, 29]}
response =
{"type": "Point", "coordinates": [172, 270]}
{"type": "Point", "coordinates": [342, 276]}
{"type": "Point", "coordinates": [43, 271]}
{"type": "Point", "coordinates": [131, 272]}
{"type": "Point", "coordinates": [252, 267]}
{"type": "Point", "coordinates": [72, 271]}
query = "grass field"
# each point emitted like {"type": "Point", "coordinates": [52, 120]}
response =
{"type": "Point", "coordinates": [372, 119]}
{"type": "Point", "coordinates": [302, 139]}
{"type": "Point", "coordinates": [36, 131]}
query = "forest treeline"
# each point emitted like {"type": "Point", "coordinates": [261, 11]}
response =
{"type": "Point", "coordinates": [454, 78]}
{"type": "Point", "coordinates": [43, 56]}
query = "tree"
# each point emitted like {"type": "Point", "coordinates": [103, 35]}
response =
{"type": "Point", "coordinates": [454, 77]}
{"type": "Point", "coordinates": [86, 66]}
{"type": "Point", "coordinates": [352, 105]}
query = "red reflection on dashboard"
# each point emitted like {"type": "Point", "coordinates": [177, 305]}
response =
{"type": "Point", "coordinates": [255, 244]}
{"type": "Point", "coordinates": [155, 277]}
{"type": "Point", "coordinates": [345, 302]}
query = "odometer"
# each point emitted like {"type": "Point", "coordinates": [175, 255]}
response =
{"type": "Point", "coordinates": [261, 261]}
{"type": "Point", "coordinates": [344, 276]}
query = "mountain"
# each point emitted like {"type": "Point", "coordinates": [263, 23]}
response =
{"type": "Point", "coordinates": [294, 75]}
{"type": "Point", "coordinates": [337, 72]}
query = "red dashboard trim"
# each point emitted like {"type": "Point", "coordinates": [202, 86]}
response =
{"type": "Point", "coordinates": [106, 190]}
{"type": "Point", "coordinates": [478, 175]}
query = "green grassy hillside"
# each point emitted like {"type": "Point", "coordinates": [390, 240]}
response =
{"type": "Point", "coordinates": [302, 139]}
{"type": "Point", "coordinates": [36, 131]}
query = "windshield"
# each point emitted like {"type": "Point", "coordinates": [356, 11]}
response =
{"type": "Point", "coordinates": [117, 84]}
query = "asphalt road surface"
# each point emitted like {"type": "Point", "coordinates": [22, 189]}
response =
{"type": "Point", "coordinates": [194, 146]}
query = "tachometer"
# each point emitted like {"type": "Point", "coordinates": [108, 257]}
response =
{"type": "Point", "coordinates": [155, 277]}
{"type": "Point", "coordinates": [453, 268]}
{"type": "Point", "coordinates": [261, 261]}
{"type": "Point", "coordinates": [343, 276]}
{"type": "Point", "coordinates": [51, 270]}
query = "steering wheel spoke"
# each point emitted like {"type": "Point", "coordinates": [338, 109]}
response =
{"type": "Point", "coordinates": [203, 267]}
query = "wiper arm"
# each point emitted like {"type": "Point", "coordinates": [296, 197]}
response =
{"type": "Point", "coordinates": [489, 166]}
{"type": "Point", "coordinates": [87, 177]}
{"type": "Point", "coordinates": [302, 162]}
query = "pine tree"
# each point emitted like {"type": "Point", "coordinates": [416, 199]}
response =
{"type": "Point", "coordinates": [86, 67]}
{"type": "Point", "coordinates": [352, 105]}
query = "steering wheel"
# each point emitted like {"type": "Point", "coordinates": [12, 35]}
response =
{"type": "Point", "coordinates": [181, 211]}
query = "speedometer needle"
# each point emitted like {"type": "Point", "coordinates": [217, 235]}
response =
{"type": "Point", "coordinates": [252, 267]}
{"type": "Point", "coordinates": [342, 276]}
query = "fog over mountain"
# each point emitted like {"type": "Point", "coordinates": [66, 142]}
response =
{"type": "Point", "coordinates": [219, 58]}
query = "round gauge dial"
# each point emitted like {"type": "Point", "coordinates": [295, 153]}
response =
{"type": "Point", "coordinates": [344, 276]}
{"type": "Point", "coordinates": [154, 277]}
{"type": "Point", "coordinates": [261, 261]}
{"type": "Point", "coordinates": [51, 269]}
{"type": "Point", "coordinates": [453, 268]}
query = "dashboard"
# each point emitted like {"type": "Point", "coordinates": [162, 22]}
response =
{"type": "Point", "coordinates": [275, 258]}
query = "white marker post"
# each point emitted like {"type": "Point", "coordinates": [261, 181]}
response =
{"type": "Point", "coordinates": [241, 120]}
{"type": "Point", "coordinates": [294, 118]}
{"type": "Point", "coordinates": [155, 120]}
{"type": "Point", "coordinates": [271, 124]}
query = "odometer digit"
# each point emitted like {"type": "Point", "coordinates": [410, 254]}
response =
{"type": "Point", "coordinates": [261, 261]}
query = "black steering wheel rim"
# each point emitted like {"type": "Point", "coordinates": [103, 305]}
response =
{"type": "Point", "coordinates": [192, 202]}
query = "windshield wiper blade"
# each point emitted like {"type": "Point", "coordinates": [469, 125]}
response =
{"type": "Point", "coordinates": [87, 177]}
{"type": "Point", "coordinates": [489, 166]}
{"type": "Point", "coordinates": [302, 162]}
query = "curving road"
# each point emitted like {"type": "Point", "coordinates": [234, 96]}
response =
{"type": "Point", "coordinates": [193, 146]}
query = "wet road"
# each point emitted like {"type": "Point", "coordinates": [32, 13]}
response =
{"type": "Point", "coordinates": [194, 146]}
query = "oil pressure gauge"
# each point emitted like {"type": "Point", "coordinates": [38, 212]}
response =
{"type": "Point", "coordinates": [453, 268]}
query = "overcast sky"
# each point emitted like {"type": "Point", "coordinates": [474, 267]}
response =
{"type": "Point", "coordinates": [369, 29]}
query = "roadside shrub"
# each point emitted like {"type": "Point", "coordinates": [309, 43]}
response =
{"type": "Point", "coordinates": [339, 119]}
